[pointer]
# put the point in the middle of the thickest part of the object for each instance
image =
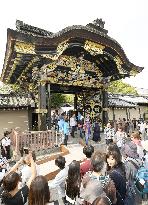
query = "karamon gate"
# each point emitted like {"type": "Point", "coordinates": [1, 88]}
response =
{"type": "Point", "coordinates": [81, 60]}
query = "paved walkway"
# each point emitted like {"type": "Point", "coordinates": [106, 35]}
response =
{"type": "Point", "coordinates": [75, 153]}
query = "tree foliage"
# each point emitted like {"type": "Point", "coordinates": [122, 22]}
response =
{"type": "Point", "coordinates": [57, 99]}
{"type": "Point", "coordinates": [121, 88]}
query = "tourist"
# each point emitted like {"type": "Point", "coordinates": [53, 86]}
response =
{"type": "Point", "coordinates": [99, 173]}
{"type": "Point", "coordinates": [96, 134]}
{"type": "Point", "coordinates": [73, 183]}
{"type": "Point", "coordinates": [61, 124]}
{"type": "Point", "coordinates": [87, 128]}
{"type": "Point", "coordinates": [131, 159]}
{"type": "Point", "coordinates": [134, 121]}
{"type": "Point", "coordinates": [114, 160]}
{"type": "Point", "coordinates": [39, 193]}
{"type": "Point", "coordinates": [80, 127]}
{"type": "Point", "coordinates": [80, 117]}
{"type": "Point", "coordinates": [142, 127]}
{"type": "Point", "coordinates": [116, 171]}
{"type": "Point", "coordinates": [131, 127]}
{"type": "Point", "coordinates": [59, 181]}
{"type": "Point", "coordinates": [26, 170]}
{"type": "Point", "coordinates": [5, 145]}
{"type": "Point", "coordinates": [66, 131]}
{"type": "Point", "coordinates": [12, 195]}
{"type": "Point", "coordinates": [136, 139]}
{"type": "Point", "coordinates": [86, 166]}
{"type": "Point", "coordinates": [120, 137]}
{"type": "Point", "coordinates": [73, 124]}
{"type": "Point", "coordinates": [132, 164]}
{"type": "Point", "coordinates": [109, 132]}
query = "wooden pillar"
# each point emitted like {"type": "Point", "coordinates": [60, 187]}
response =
{"type": "Point", "coordinates": [30, 110]}
{"type": "Point", "coordinates": [129, 114]}
{"type": "Point", "coordinates": [49, 106]}
{"type": "Point", "coordinates": [76, 105]}
{"type": "Point", "coordinates": [113, 114]}
{"type": "Point", "coordinates": [127, 117]}
{"type": "Point", "coordinates": [105, 106]}
{"type": "Point", "coordinates": [42, 111]}
{"type": "Point", "coordinates": [139, 112]}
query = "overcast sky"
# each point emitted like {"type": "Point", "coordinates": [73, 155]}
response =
{"type": "Point", "coordinates": [126, 21]}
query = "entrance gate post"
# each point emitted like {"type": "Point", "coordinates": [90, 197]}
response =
{"type": "Point", "coordinates": [49, 106]}
{"type": "Point", "coordinates": [42, 111]}
{"type": "Point", "coordinates": [105, 107]}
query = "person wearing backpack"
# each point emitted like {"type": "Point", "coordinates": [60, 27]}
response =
{"type": "Point", "coordinates": [141, 181]}
{"type": "Point", "coordinates": [132, 164]}
{"type": "Point", "coordinates": [136, 139]}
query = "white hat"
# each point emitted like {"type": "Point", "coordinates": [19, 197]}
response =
{"type": "Point", "coordinates": [145, 145]}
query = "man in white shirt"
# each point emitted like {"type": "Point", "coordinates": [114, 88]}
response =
{"type": "Point", "coordinates": [73, 124]}
{"type": "Point", "coordinates": [5, 145]}
{"type": "Point", "coordinates": [59, 180]}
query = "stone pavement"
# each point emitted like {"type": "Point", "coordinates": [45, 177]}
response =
{"type": "Point", "coordinates": [75, 153]}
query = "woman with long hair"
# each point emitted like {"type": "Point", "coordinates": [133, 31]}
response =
{"type": "Point", "coordinates": [114, 160]}
{"type": "Point", "coordinates": [73, 182]}
{"type": "Point", "coordinates": [116, 171]}
{"type": "Point", "coordinates": [39, 193]}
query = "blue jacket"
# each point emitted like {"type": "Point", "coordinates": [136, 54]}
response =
{"type": "Point", "coordinates": [66, 128]}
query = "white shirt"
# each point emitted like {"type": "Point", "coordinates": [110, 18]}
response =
{"type": "Point", "coordinates": [120, 138]}
{"type": "Point", "coordinates": [6, 141]}
{"type": "Point", "coordinates": [26, 173]}
{"type": "Point", "coordinates": [73, 122]}
{"type": "Point", "coordinates": [59, 182]}
{"type": "Point", "coordinates": [142, 127]}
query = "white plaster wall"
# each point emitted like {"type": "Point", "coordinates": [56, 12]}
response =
{"type": "Point", "coordinates": [134, 113]}
{"type": "Point", "coordinates": [119, 113]}
{"type": "Point", "coordinates": [10, 119]}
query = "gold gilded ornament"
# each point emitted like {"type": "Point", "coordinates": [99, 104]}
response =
{"type": "Point", "coordinates": [26, 48]}
{"type": "Point", "coordinates": [93, 48]}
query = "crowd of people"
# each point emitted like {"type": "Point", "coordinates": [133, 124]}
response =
{"type": "Point", "coordinates": [117, 177]}
{"type": "Point", "coordinates": [100, 179]}
{"type": "Point", "coordinates": [70, 125]}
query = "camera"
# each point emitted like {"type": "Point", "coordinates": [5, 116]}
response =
{"type": "Point", "coordinates": [24, 151]}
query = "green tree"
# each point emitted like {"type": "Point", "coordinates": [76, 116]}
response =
{"type": "Point", "coordinates": [57, 99]}
{"type": "Point", "coordinates": [121, 88]}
